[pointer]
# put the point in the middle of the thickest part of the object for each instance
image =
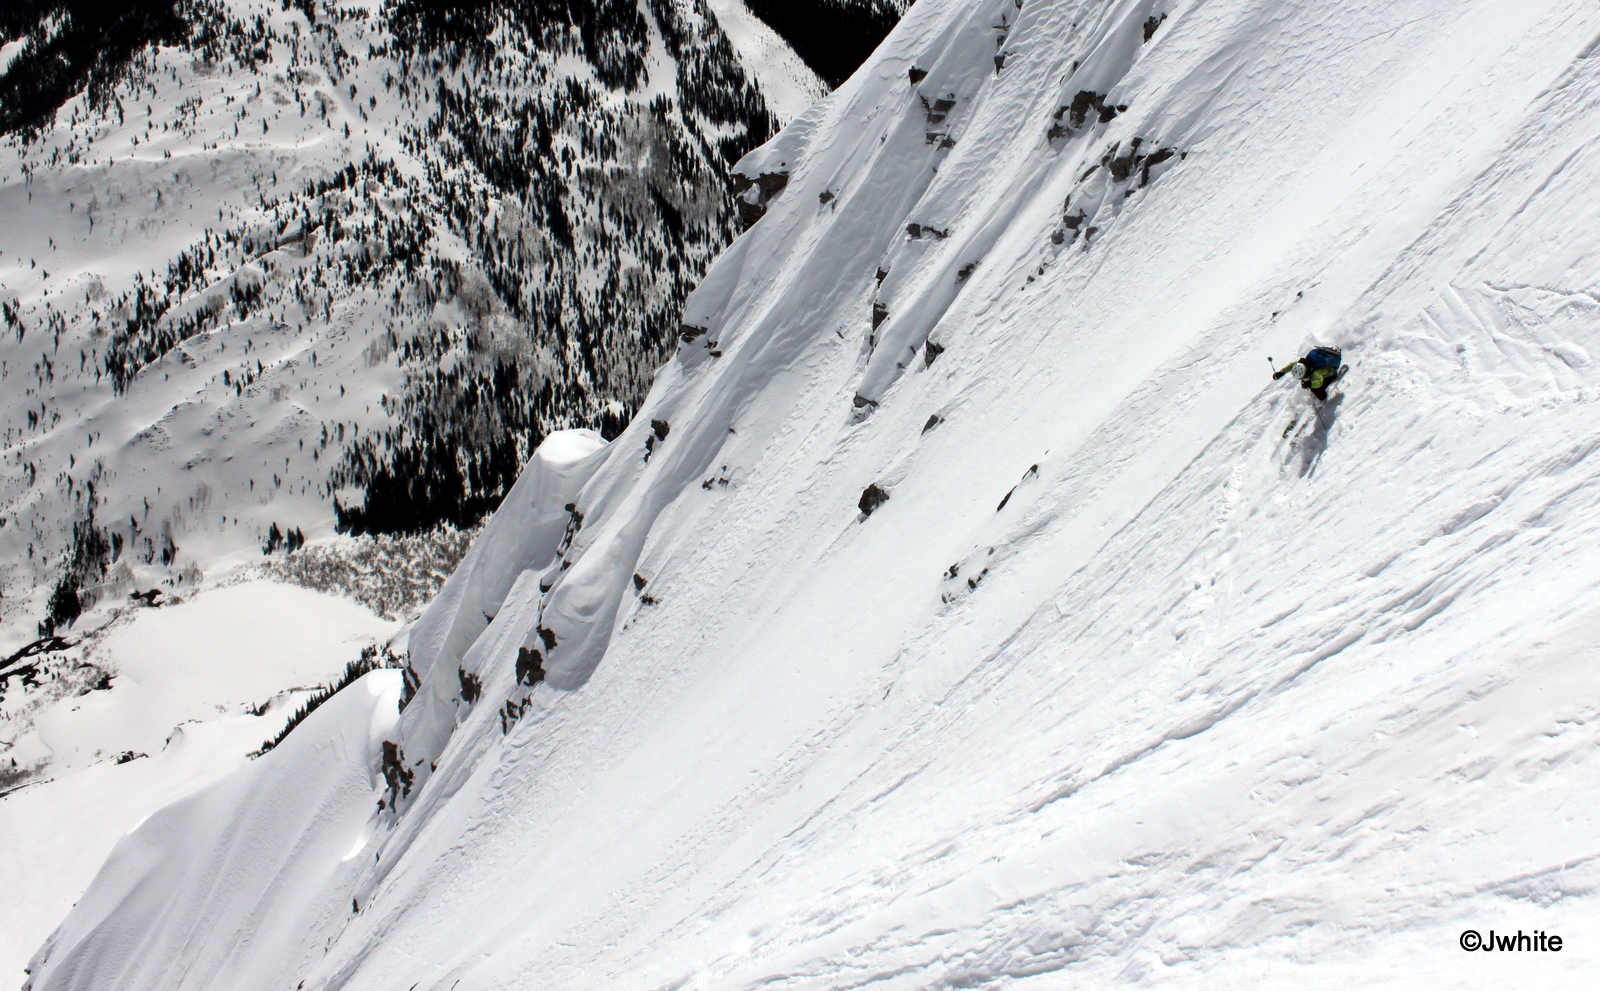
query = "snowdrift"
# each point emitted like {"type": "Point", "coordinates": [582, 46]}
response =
{"type": "Point", "coordinates": [1139, 668]}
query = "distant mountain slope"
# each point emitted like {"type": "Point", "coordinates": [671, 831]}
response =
{"type": "Point", "coordinates": [68, 46]}
{"type": "Point", "coordinates": [833, 36]}
{"type": "Point", "coordinates": [267, 268]}
{"type": "Point", "coordinates": [968, 607]}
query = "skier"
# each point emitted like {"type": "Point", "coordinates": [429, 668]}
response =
{"type": "Point", "coordinates": [1319, 369]}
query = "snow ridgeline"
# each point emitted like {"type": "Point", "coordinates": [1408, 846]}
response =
{"type": "Point", "coordinates": [1145, 671]}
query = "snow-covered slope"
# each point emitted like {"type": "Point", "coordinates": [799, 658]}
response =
{"type": "Point", "coordinates": [325, 801]}
{"type": "Point", "coordinates": [198, 687]}
{"type": "Point", "coordinates": [832, 36]}
{"type": "Point", "coordinates": [266, 268]}
{"type": "Point", "coordinates": [967, 607]}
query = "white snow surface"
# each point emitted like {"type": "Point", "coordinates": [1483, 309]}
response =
{"type": "Point", "coordinates": [179, 710]}
{"type": "Point", "coordinates": [1231, 690]}
{"type": "Point", "coordinates": [239, 644]}
{"type": "Point", "coordinates": [787, 83]}
{"type": "Point", "coordinates": [8, 52]}
{"type": "Point", "coordinates": [306, 802]}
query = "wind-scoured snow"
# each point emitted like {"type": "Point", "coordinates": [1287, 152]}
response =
{"type": "Point", "coordinates": [1139, 668]}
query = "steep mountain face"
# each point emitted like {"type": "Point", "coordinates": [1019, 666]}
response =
{"type": "Point", "coordinates": [269, 268]}
{"type": "Point", "coordinates": [966, 606]}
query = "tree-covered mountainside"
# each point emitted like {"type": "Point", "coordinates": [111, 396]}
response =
{"type": "Point", "coordinates": [315, 265]}
{"type": "Point", "coordinates": [69, 46]}
{"type": "Point", "coordinates": [833, 36]}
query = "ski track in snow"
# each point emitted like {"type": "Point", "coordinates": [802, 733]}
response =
{"type": "Point", "coordinates": [1231, 691]}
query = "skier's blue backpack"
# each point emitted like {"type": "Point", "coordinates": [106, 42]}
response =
{"type": "Point", "coordinates": [1322, 358]}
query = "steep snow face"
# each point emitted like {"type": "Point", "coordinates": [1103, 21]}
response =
{"type": "Point", "coordinates": [967, 606]}
{"type": "Point", "coordinates": [309, 802]}
{"type": "Point", "coordinates": [188, 691]}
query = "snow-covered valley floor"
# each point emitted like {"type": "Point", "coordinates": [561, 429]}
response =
{"type": "Point", "coordinates": [1140, 668]}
